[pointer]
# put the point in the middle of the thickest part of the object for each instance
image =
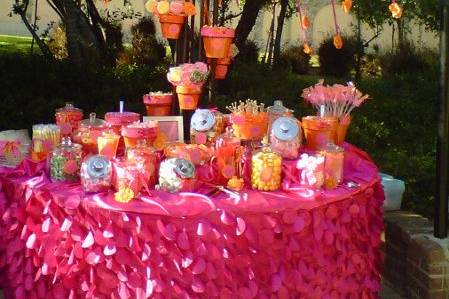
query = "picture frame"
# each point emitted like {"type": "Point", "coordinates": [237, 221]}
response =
{"type": "Point", "coordinates": [172, 126]}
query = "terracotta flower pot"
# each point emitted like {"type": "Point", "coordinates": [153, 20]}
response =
{"type": "Point", "coordinates": [188, 97]}
{"type": "Point", "coordinates": [217, 41]}
{"type": "Point", "coordinates": [319, 131]}
{"type": "Point", "coordinates": [158, 104]}
{"type": "Point", "coordinates": [342, 130]}
{"type": "Point", "coordinates": [221, 69]}
{"type": "Point", "coordinates": [171, 25]}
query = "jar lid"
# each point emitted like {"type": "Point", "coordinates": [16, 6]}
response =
{"type": "Point", "coordinates": [278, 107]}
{"type": "Point", "coordinates": [333, 148]}
{"type": "Point", "coordinates": [68, 145]}
{"type": "Point", "coordinates": [202, 120]}
{"type": "Point", "coordinates": [98, 166]}
{"type": "Point", "coordinates": [69, 108]}
{"type": "Point", "coordinates": [92, 121]}
{"type": "Point", "coordinates": [184, 168]}
{"type": "Point", "coordinates": [285, 128]}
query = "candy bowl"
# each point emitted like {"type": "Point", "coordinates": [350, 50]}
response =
{"type": "Point", "coordinates": [88, 132]}
{"type": "Point", "coordinates": [119, 119]}
{"type": "Point", "coordinates": [177, 175]}
{"type": "Point", "coordinates": [227, 156]}
{"type": "Point", "coordinates": [205, 126]}
{"type": "Point", "coordinates": [65, 161]}
{"type": "Point", "coordinates": [285, 137]}
{"type": "Point", "coordinates": [266, 170]}
{"type": "Point", "coordinates": [140, 131]}
{"type": "Point", "coordinates": [96, 174]}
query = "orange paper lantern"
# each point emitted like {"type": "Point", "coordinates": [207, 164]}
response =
{"type": "Point", "coordinates": [346, 5]}
{"type": "Point", "coordinates": [396, 10]}
{"type": "Point", "coordinates": [338, 42]}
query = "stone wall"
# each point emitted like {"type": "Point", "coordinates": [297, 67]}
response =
{"type": "Point", "coordinates": [416, 263]}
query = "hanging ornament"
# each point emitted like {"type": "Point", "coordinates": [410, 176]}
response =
{"type": "Point", "coordinates": [305, 22]}
{"type": "Point", "coordinates": [396, 9]}
{"type": "Point", "coordinates": [307, 49]}
{"type": "Point", "coordinates": [304, 25]}
{"type": "Point", "coordinates": [346, 5]}
{"type": "Point", "coordinates": [338, 41]}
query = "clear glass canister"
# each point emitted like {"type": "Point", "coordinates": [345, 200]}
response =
{"type": "Point", "coordinates": [88, 132]}
{"type": "Point", "coordinates": [206, 126]}
{"type": "Point", "coordinates": [311, 170]}
{"type": "Point", "coordinates": [228, 152]}
{"type": "Point", "coordinates": [176, 175]}
{"type": "Point", "coordinates": [96, 174]}
{"type": "Point", "coordinates": [274, 112]}
{"type": "Point", "coordinates": [149, 159]}
{"type": "Point", "coordinates": [65, 161]}
{"type": "Point", "coordinates": [68, 118]}
{"type": "Point", "coordinates": [333, 165]}
{"type": "Point", "coordinates": [285, 137]}
{"type": "Point", "coordinates": [266, 170]}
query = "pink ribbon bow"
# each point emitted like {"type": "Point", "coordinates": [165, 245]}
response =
{"type": "Point", "coordinates": [10, 147]}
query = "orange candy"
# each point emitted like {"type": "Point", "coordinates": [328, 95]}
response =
{"type": "Point", "coordinates": [307, 49]}
{"type": "Point", "coordinates": [189, 9]}
{"type": "Point", "coordinates": [396, 10]}
{"type": "Point", "coordinates": [338, 42]}
{"type": "Point", "coordinates": [305, 22]}
{"type": "Point", "coordinates": [346, 5]}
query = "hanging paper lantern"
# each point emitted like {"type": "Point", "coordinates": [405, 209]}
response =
{"type": "Point", "coordinates": [395, 9]}
{"type": "Point", "coordinates": [346, 5]}
{"type": "Point", "coordinates": [338, 41]}
{"type": "Point", "coordinates": [305, 22]}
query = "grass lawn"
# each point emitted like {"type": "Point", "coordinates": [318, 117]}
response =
{"type": "Point", "coordinates": [16, 44]}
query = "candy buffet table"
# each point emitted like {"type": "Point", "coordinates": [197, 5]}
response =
{"type": "Point", "coordinates": [58, 243]}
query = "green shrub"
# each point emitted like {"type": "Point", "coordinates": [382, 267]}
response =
{"type": "Point", "coordinates": [295, 59]}
{"type": "Point", "coordinates": [249, 53]}
{"type": "Point", "coordinates": [337, 62]}
{"type": "Point", "coordinates": [146, 49]}
{"type": "Point", "coordinates": [57, 41]}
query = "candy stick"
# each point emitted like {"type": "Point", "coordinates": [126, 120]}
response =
{"type": "Point", "coordinates": [122, 104]}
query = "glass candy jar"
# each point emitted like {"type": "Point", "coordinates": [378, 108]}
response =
{"type": "Point", "coordinates": [177, 175]}
{"type": "Point", "coordinates": [65, 161]}
{"type": "Point", "coordinates": [96, 174]}
{"type": "Point", "coordinates": [227, 156]}
{"type": "Point", "coordinates": [149, 158]}
{"type": "Point", "coordinates": [119, 119]}
{"type": "Point", "coordinates": [205, 126]}
{"type": "Point", "coordinates": [128, 175]}
{"type": "Point", "coordinates": [285, 137]}
{"type": "Point", "coordinates": [266, 170]}
{"type": "Point", "coordinates": [88, 132]}
{"type": "Point", "coordinates": [140, 131]}
{"type": "Point", "coordinates": [333, 165]}
{"type": "Point", "coordinates": [311, 170]}
{"type": "Point", "coordinates": [276, 111]}
{"type": "Point", "coordinates": [68, 118]}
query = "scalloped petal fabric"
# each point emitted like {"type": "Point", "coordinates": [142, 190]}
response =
{"type": "Point", "coordinates": [272, 245]}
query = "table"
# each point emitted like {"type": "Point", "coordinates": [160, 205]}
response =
{"type": "Point", "coordinates": [59, 243]}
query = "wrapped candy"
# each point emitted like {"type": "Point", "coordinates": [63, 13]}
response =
{"type": "Point", "coordinates": [65, 161]}
{"type": "Point", "coordinates": [140, 131]}
{"type": "Point", "coordinates": [88, 132]}
{"type": "Point", "coordinates": [333, 165]}
{"type": "Point", "coordinates": [311, 170]}
{"type": "Point", "coordinates": [205, 126]}
{"type": "Point", "coordinates": [266, 169]}
{"type": "Point", "coordinates": [96, 174]}
{"type": "Point", "coordinates": [68, 118]}
{"type": "Point", "coordinates": [177, 175]}
{"type": "Point", "coordinates": [285, 137]}
{"type": "Point", "coordinates": [149, 159]}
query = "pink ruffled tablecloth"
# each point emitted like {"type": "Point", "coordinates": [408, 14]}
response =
{"type": "Point", "coordinates": [57, 242]}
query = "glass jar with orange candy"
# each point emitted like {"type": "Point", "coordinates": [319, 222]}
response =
{"type": "Point", "coordinates": [68, 118]}
{"type": "Point", "coordinates": [88, 132]}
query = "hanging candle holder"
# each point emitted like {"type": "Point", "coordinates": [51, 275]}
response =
{"type": "Point", "coordinates": [396, 9]}
{"type": "Point", "coordinates": [338, 41]}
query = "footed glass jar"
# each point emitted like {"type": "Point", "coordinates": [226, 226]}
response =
{"type": "Point", "coordinates": [68, 118]}
{"type": "Point", "coordinates": [88, 132]}
{"type": "Point", "coordinates": [65, 161]}
{"type": "Point", "coordinates": [177, 175]}
{"type": "Point", "coordinates": [266, 170]}
{"type": "Point", "coordinates": [228, 152]}
{"type": "Point", "coordinates": [285, 137]}
{"type": "Point", "coordinates": [96, 174]}
{"type": "Point", "coordinates": [205, 126]}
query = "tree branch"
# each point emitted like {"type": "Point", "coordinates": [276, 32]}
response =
{"type": "Point", "coordinates": [230, 17]}
{"type": "Point", "coordinates": [55, 9]}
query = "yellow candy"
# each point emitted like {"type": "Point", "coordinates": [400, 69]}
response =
{"type": "Point", "coordinates": [124, 194]}
{"type": "Point", "coordinates": [163, 7]}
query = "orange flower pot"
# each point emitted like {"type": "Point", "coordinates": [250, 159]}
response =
{"type": "Point", "coordinates": [188, 97]}
{"type": "Point", "coordinates": [319, 131]}
{"type": "Point", "coordinates": [217, 41]}
{"type": "Point", "coordinates": [171, 25]}
{"type": "Point", "coordinates": [158, 104]}
{"type": "Point", "coordinates": [221, 69]}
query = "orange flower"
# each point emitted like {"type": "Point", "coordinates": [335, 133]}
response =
{"type": "Point", "coordinates": [307, 49]}
{"type": "Point", "coordinates": [396, 10]}
{"type": "Point", "coordinates": [346, 5]}
{"type": "Point", "coordinates": [305, 22]}
{"type": "Point", "coordinates": [189, 8]}
{"type": "Point", "coordinates": [338, 42]}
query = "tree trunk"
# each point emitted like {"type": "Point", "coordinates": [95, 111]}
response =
{"type": "Point", "coordinates": [249, 15]}
{"type": "Point", "coordinates": [279, 29]}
